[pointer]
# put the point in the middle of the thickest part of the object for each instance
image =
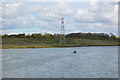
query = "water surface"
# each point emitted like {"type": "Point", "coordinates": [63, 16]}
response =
{"type": "Point", "coordinates": [88, 62]}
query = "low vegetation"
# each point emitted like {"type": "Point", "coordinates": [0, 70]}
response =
{"type": "Point", "coordinates": [38, 40]}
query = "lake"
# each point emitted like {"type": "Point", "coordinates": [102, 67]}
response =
{"type": "Point", "coordinates": [88, 62]}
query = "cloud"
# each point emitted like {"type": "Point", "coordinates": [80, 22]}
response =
{"type": "Point", "coordinates": [12, 9]}
{"type": "Point", "coordinates": [98, 12]}
{"type": "Point", "coordinates": [83, 15]}
{"type": "Point", "coordinates": [92, 17]}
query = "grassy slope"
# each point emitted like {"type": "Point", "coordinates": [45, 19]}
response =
{"type": "Point", "coordinates": [39, 43]}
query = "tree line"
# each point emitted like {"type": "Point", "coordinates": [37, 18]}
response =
{"type": "Point", "coordinates": [71, 35]}
{"type": "Point", "coordinates": [93, 36]}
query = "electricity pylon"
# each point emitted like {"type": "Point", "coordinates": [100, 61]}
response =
{"type": "Point", "coordinates": [62, 34]}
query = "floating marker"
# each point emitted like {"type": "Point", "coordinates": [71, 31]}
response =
{"type": "Point", "coordinates": [74, 51]}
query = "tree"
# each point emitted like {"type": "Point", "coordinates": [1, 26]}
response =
{"type": "Point", "coordinates": [113, 36]}
{"type": "Point", "coordinates": [36, 35]}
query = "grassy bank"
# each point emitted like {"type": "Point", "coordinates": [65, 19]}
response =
{"type": "Point", "coordinates": [17, 47]}
{"type": "Point", "coordinates": [49, 42]}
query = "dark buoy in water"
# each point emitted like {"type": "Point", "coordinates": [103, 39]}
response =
{"type": "Point", "coordinates": [74, 51]}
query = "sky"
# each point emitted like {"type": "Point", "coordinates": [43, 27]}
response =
{"type": "Point", "coordinates": [42, 17]}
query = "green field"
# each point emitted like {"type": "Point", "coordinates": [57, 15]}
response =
{"type": "Point", "coordinates": [53, 42]}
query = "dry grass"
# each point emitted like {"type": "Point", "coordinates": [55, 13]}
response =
{"type": "Point", "coordinates": [47, 43]}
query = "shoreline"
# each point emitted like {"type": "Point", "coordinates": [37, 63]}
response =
{"type": "Point", "coordinates": [63, 46]}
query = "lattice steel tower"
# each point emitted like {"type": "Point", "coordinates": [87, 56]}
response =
{"type": "Point", "coordinates": [62, 35]}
